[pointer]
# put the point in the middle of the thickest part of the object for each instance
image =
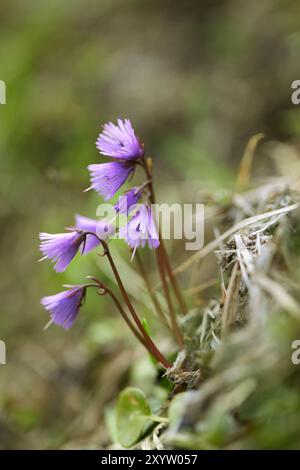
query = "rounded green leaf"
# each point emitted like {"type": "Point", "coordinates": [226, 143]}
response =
{"type": "Point", "coordinates": [177, 408]}
{"type": "Point", "coordinates": [132, 415]}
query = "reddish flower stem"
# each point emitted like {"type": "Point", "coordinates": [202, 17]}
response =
{"type": "Point", "coordinates": [102, 289]}
{"type": "Point", "coordinates": [175, 327]}
{"type": "Point", "coordinates": [147, 165]}
{"type": "Point", "coordinates": [150, 345]}
{"type": "Point", "coordinates": [152, 294]}
{"type": "Point", "coordinates": [163, 264]}
{"type": "Point", "coordinates": [173, 279]}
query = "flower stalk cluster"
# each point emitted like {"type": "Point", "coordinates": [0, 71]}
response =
{"type": "Point", "coordinates": [120, 143]}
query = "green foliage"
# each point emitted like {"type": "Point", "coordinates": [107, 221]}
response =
{"type": "Point", "coordinates": [132, 416]}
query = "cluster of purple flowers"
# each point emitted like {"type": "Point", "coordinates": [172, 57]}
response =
{"type": "Point", "coordinates": [120, 143]}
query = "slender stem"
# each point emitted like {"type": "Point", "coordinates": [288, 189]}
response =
{"type": "Point", "coordinates": [177, 292]}
{"type": "Point", "coordinates": [106, 290]}
{"type": "Point", "coordinates": [161, 257]}
{"type": "Point", "coordinates": [173, 279]}
{"type": "Point", "coordinates": [152, 294]}
{"type": "Point", "coordinates": [151, 346]}
{"type": "Point", "coordinates": [175, 327]}
{"type": "Point", "coordinates": [172, 314]}
{"type": "Point", "coordinates": [158, 252]}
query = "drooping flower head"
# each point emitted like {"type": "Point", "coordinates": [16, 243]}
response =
{"type": "Point", "coordinates": [128, 200]}
{"type": "Point", "coordinates": [141, 229]}
{"type": "Point", "coordinates": [107, 178]}
{"type": "Point", "coordinates": [101, 228]}
{"type": "Point", "coordinates": [61, 248]}
{"type": "Point", "coordinates": [120, 141]}
{"type": "Point", "coordinates": [64, 307]}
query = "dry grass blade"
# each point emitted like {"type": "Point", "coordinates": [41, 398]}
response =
{"type": "Point", "coordinates": [279, 294]}
{"type": "Point", "coordinates": [246, 162]}
{"type": "Point", "coordinates": [202, 287]}
{"type": "Point", "coordinates": [231, 303]}
{"type": "Point", "coordinates": [196, 257]}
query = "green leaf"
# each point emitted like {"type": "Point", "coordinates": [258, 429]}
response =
{"type": "Point", "coordinates": [176, 408]}
{"type": "Point", "coordinates": [132, 415]}
{"type": "Point", "coordinates": [146, 326]}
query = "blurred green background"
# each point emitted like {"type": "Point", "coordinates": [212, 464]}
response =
{"type": "Point", "coordinates": [197, 79]}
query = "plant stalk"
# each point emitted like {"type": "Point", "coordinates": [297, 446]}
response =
{"type": "Point", "coordinates": [152, 294]}
{"type": "Point", "coordinates": [148, 170]}
{"type": "Point", "coordinates": [151, 346]}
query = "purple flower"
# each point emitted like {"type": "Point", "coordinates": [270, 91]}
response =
{"type": "Point", "coordinates": [64, 307]}
{"type": "Point", "coordinates": [60, 248]}
{"type": "Point", "coordinates": [107, 178]}
{"type": "Point", "coordinates": [101, 228]}
{"type": "Point", "coordinates": [140, 229]}
{"type": "Point", "coordinates": [128, 200]}
{"type": "Point", "coordinates": [119, 141]}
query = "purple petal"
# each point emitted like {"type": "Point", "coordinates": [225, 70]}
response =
{"type": "Point", "coordinates": [101, 228]}
{"type": "Point", "coordinates": [119, 141]}
{"type": "Point", "coordinates": [140, 229]}
{"type": "Point", "coordinates": [153, 239]}
{"type": "Point", "coordinates": [107, 178]}
{"type": "Point", "coordinates": [64, 307]}
{"type": "Point", "coordinates": [128, 200]}
{"type": "Point", "coordinates": [60, 248]}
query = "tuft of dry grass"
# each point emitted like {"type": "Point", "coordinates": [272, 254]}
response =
{"type": "Point", "coordinates": [242, 391]}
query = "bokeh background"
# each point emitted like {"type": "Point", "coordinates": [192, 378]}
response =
{"type": "Point", "coordinates": [197, 78]}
